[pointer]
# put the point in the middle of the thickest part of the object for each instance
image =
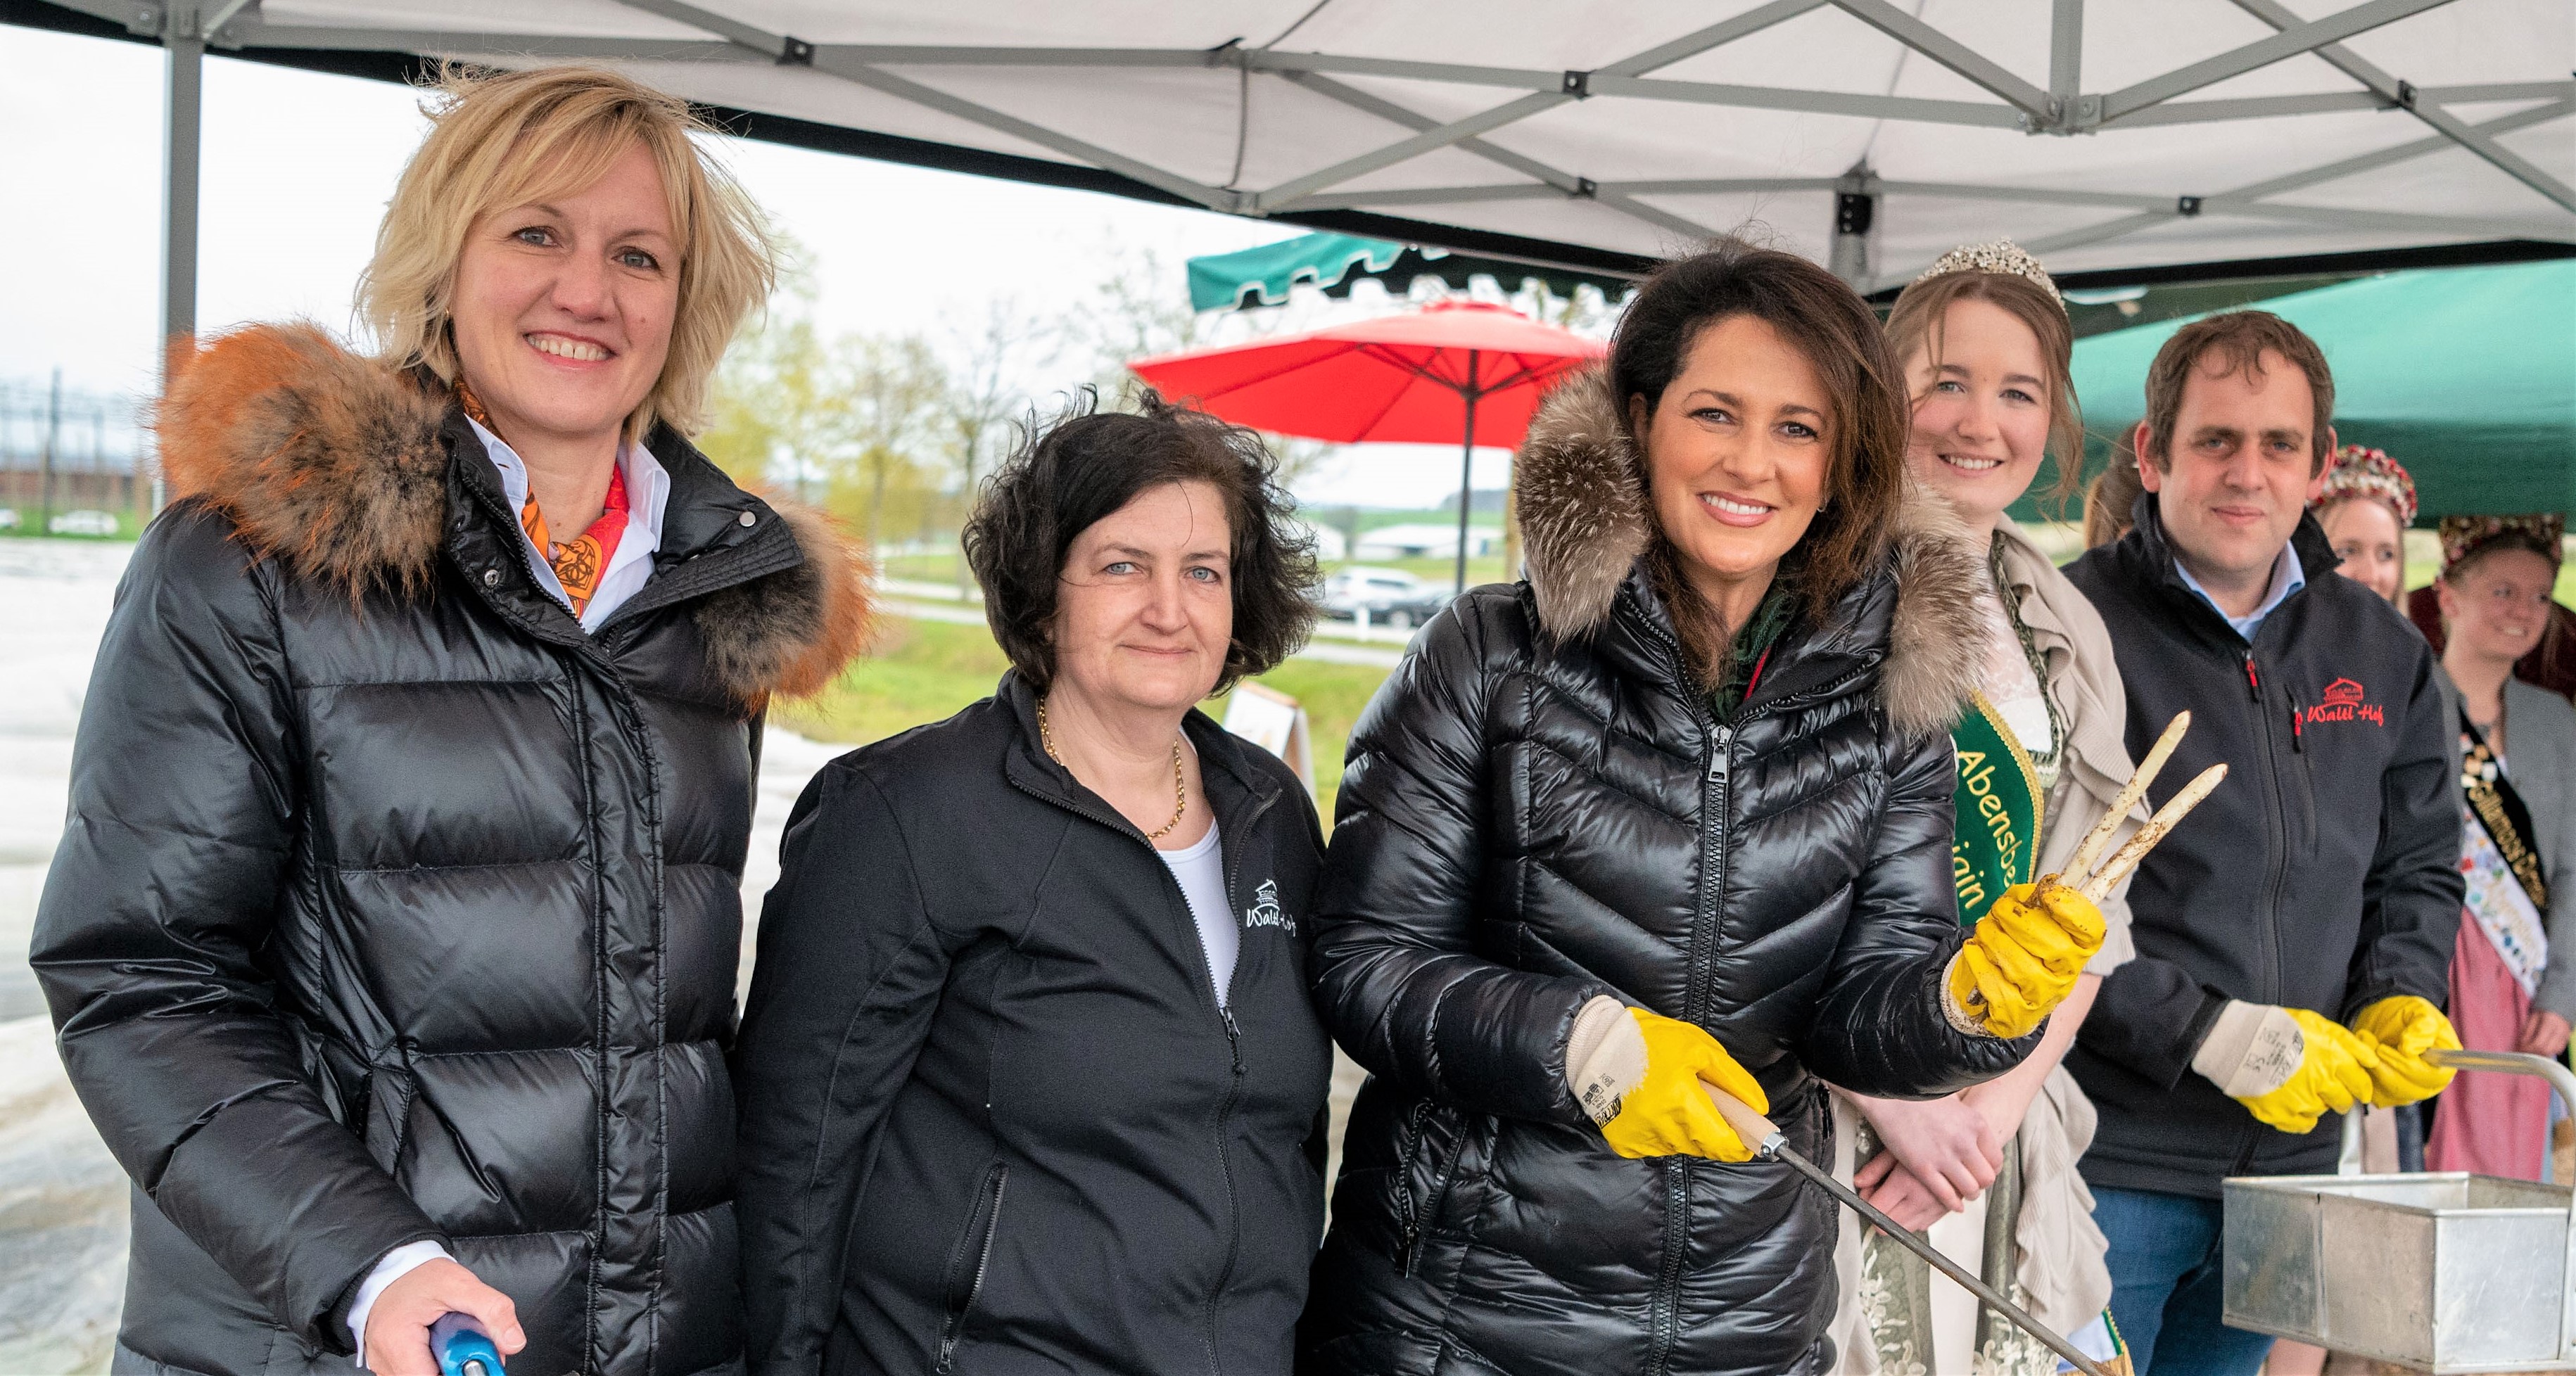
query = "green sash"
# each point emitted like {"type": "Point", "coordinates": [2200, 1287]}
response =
{"type": "Point", "coordinates": [1995, 842]}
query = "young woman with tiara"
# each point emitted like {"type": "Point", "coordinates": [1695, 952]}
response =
{"type": "Point", "coordinates": [1985, 344]}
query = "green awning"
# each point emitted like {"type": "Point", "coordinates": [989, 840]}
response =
{"type": "Point", "coordinates": [1333, 262]}
{"type": "Point", "coordinates": [1220, 280]}
{"type": "Point", "coordinates": [2465, 375]}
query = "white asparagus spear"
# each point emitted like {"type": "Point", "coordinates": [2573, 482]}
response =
{"type": "Point", "coordinates": [2080, 864]}
{"type": "Point", "coordinates": [2099, 886]}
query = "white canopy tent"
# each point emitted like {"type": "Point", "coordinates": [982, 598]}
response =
{"type": "Point", "coordinates": [2106, 135]}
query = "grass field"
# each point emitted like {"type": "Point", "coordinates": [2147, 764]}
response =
{"type": "Point", "coordinates": [923, 671]}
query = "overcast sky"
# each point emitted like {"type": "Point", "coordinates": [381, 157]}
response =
{"type": "Point", "coordinates": [298, 167]}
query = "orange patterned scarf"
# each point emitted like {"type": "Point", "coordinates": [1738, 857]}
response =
{"type": "Point", "coordinates": [579, 563]}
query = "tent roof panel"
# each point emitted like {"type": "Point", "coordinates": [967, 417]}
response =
{"type": "Point", "coordinates": [1447, 114]}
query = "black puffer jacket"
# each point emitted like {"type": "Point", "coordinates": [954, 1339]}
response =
{"type": "Point", "coordinates": [993, 1119]}
{"type": "Point", "coordinates": [393, 906]}
{"type": "Point", "coordinates": [1539, 808]}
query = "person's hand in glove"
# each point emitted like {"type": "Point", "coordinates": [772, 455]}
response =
{"type": "Point", "coordinates": [2023, 958]}
{"type": "Point", "coordinates": [2399, 1031]}
{"type": "Point", "coordinates": [2287, 1066]}
{"type": "Point", "coordinates": [1638, 1075]}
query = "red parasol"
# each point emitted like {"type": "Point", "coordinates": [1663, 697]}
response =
{"type": "Point", "coordinates": [1460, 370]}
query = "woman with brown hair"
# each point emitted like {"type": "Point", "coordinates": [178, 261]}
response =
{"type": "Point", "coordinates": [391, 941]}
{"type": "Point", "coordinates": [1990, 1172]}
{"type": "Point", "coordinates": [1030, 1080]}
{"type": "Point", "coordinates": [1673, 813]}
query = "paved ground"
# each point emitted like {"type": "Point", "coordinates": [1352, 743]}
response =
{"type": "Point", "coordinates": [62, 1197]}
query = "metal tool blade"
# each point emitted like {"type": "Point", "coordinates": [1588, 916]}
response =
{"type": "Point", "coordinates": [1776, 1148]}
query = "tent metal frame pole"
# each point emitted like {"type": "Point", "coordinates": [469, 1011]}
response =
{"type": "Point", "coordinates": [1949, 52]}
{"type": "Point", "coordinates": [1549, 178]}
{"type": "Point", "coordinates": [1571, 87]}
{"type": "Point", "coordinates": [2065, 52]}
{"type": "Point", "coordinates": [182, 146]}
{"type": "Point", "coordinates": [2345, 167]}
{"type": "Point", "coordinates": [2263, 52]}
{"type": "Point", "coordinates": [1853, 255]}
{"type": "Point", "coordinates": [187, 27]}
{"type": "Point", "coordinates": [2416, 103]}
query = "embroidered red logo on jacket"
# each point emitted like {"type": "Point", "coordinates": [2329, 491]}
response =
{"type": "Point", "coordinates": [2343, 702]}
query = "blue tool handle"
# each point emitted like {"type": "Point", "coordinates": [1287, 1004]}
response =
{"type": "Point", "coordinates": [461, 1348]}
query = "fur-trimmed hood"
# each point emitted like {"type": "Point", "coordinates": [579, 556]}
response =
{"type": "Point", "coordinates": [1584, 519]}
{"type": "Point", "coordinates": [338, 467]}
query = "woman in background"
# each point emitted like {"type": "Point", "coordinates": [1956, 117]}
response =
{"type": "Point", "coordinates": [2513, 976]}
{"type": "Point", "coordinates": [1990, 1171]}
{"type": "Point", "coordinates": [2366, 505]}
{"type": "Point", "coordinates": [2109, 501]}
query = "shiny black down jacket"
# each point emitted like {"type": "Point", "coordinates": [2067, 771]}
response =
{"type": "Point", "coordinates": [393, 906]}
{"type": "Point", "coordinates": [1540, 808]}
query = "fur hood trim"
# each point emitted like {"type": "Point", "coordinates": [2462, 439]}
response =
{"type": "Point", "coordinates": [335, 465]}
{"type": "Point", "coordinates": [1581, 500]}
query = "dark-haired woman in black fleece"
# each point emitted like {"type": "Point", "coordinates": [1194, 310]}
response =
{"type": "Point", "coordinates": [1029, 1079]}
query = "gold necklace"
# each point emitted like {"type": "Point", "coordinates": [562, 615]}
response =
{"type": "Point", "coordinates": [1180, 787]}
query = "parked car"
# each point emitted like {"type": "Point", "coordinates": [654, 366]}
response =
{"type": "Point", "coordinates": [8, 518]}
{"type": "Point", "coordinates": [1391, 597]}
{"type": "Point", "coordinates": [83, 522]}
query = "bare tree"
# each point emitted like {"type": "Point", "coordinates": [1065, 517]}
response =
{"type": "Point", "coordinates": [987, 390]}
{"type": "Point", "coordinates": [895, 389]}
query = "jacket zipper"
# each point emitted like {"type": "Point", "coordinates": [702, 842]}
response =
{"type": "Point", "coordinates": [1225, 1164]}
{"type": "Point", "coordinates": [955, 1328]}
{"type": "Point", "coordinates": [1418, 1220]}
{"type": "Point", "coordinates": [1225, 1018]}
{"type": "Point", "coordinates": [1664, 1323]}
{"type": "Point", "coordinates": [1412, 1221]}
{"type": "Point", "coordinates": [2277, 872]}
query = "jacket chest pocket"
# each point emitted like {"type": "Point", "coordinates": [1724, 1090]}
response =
{"type": "Point", "coordinates": [968, 1259]}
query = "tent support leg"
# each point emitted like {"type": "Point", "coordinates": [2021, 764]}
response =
{"type": "Point", "coordinates": [1854, 255]}
{"type": "Point", "coordinates": [184, 48]}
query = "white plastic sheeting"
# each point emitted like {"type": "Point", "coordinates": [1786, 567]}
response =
{"type": "Point", "coordinates": [2102, 133]}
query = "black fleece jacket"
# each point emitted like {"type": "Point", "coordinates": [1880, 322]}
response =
{"type": "Point", "coordinates": [992, 1117]}
{"type": "Point", "coordinates": [2323, 874]}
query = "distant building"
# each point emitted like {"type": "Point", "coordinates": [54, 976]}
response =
{"type": "Point", "coordinates": [1427, 542]}
{"type": "Point", "coordinates": [1329, 544]}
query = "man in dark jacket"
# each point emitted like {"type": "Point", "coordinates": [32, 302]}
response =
{"type": "Point", "coordinates": [2294, 936]}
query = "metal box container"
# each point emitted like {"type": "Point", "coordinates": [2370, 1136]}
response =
{"type": "Point", "coordinates": [2447, 1273]}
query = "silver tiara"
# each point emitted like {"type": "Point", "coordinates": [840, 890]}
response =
{"type": "Point", "coordinates": [2002, 256]}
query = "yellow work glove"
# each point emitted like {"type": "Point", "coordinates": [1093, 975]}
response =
{"type": "Point", "coordinates": [2287, 1066]}
{"type": "Point", "coordinates": [1667, 1113]}
{"type": "Point", "coordinates": [2400, 1030]}
{"type": "Point", "coordinates": [2024, 957]}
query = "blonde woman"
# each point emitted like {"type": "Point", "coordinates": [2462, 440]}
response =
{"type": "Point", "coordinates": [391, 941]}
{"type": "Point", "coordinates": [1990, 1171]}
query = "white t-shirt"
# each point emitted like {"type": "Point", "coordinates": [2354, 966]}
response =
{"type": "Point", "coordinates": [1200, 871]}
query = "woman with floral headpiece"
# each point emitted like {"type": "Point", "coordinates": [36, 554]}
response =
{"type": "Point", "coordinates": [2365, 506]}
{"type": "Point", "coordinates": [2509, 992]}
{"type": "Point", "coordinates": [1985, 344]}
